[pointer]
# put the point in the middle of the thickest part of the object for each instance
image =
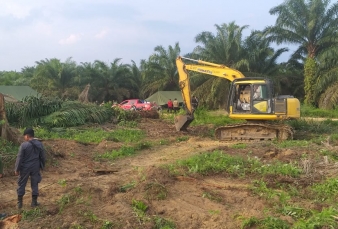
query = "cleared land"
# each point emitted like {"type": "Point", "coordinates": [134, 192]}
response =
{"type": "Point", "coordinates": [146, 175]}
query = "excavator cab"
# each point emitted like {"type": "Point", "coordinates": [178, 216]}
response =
{"type": "Point", "coordinates": [252, 95]}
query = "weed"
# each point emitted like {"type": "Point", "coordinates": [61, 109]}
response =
{"type": "Point", "coordinates": [162, 223]}
{"type": "Point", "coordinates": [203, 117]}
{"type": "Point", "coordinates": [140, 208]}
{"type": "Point", "coordinates": [65, 200]}
{"type": "Point", "coordinates": [295, 212]}
{"type": "Point", "coordinates": [266, 223]}
{"type": "Point", "coordinates": [164, 142]}
{"type": "Point", "coordinates": [323, 219]}
{"type": "Point", "coordinates": [309, 111]}
{"type": "Point", "coordinates": [260, 188]}
{"type": "Point", "coordinates": [62, 182]}
{"type": "Point", "coordinates": [329, 153]}
{"type": "Point", "coordinates": [212, 196]}
{"type": "Point", "coordinates": [8, 152]}
{"type": "Point", "coordinates": [182, 139]}
{"type": "Point", "coordinates": [130, 124]}
{"type": "Point", "coordinates": [127, 187]}
{"type": "Point", "coordinates": [328, 190]}
{"type": "Point", "coordinates": [90, 216]}
{"type": "Point", "coordinates": [126, 135]}
{"type": "Point", "coordinates": [155, 190]}
{"type": "Point", "coordinates": [238, 146]}
{"type": "Point", "coordinates": [313, 127]}
{"type": "Point", "coordinates": [78, 190]}
{"type": "Point", "coordinates": [143, 145]}
{"type": "Point", "coordinates": [107, 225]}
{"type": "Point", "coordinates": [92, 135]}
{"type": "Point", "coordinates": [32, 214]}
{"type": "Point", "coordinates": [218, 161]}
{"type": "Point", "coordinates": [124, 151]}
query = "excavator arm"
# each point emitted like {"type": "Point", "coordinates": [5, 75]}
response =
{"type": "Point", "coordinates": [217, 70]}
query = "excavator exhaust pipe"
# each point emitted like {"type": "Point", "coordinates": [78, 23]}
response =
{"type": "Point", "coordinates": [183, 121]}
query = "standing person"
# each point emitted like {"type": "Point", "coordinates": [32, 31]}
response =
{"type": "Point", "coordinates": [170, 106]}
{"type": "Point", "coordinates": [30, 159]}
{"type": "Point", "coordinates": [2, 215]}
{"type": "Point", "coordinates": [176, 105]}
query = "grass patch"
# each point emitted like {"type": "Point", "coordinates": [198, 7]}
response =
{"type": "Point", "coordinates": [127, 187]}
{"type": "Point", "coordinates": [266, 223]}
{"type": "Point", "coordinates": [162, 223]}
{"type": "Point", "coordinates": [203, 117]}
{"type": "Point", "coordinates": [313, 128]}
{"type": "Point", "coordinates": [8, 152]}
{"type": "Point", "coordinates": [309, 111]}
{"type": "Point", "coordinates": [92, 135]}
{"type": "Point", "coordinates": [124, 151]}
{"type": "Point", "coordinates": [217, 162]}
{"type": "Point", "coordinates": [32, 214]}
{"type": "Point", "coordinates": [212, 196]}
{"type": "Point", "coordinates": [156, 191]}
{"type": "Point", "coordinates": [182, 139]}
{"type": "Point", "coordinates": [238, 146]}
{"type": "Point", "coordinates": [326, 191]}
{"type": "Point", "coordinates": [322, 219]}
{"type": "Point", "coordinates": [140, 208]}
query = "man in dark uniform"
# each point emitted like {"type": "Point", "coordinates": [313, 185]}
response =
{"type": "Point", "coordinates": [30, 159]}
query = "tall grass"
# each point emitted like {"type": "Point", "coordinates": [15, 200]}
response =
{"type": "Point", "coordinates": [217, 162]}
{"type": "Point", "coordinates": [203, 117]}
{"type": "Point", "coordinates": [93, 135]}
{"type": "Point", "coordinates": [309, 111]}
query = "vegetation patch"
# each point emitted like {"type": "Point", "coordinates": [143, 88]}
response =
{"type": "Point", "coordinates": [203, 117]}
{"type": "Point", "coordinates": [92, 135]}
{"type": "Point", "coordinates": [124, 151]}
{"type": "Point", "coordinates": [217, 162]}
{"type": "Point", "coordinates": [265, 223]}
{"type": "Point", "coordinates": [162, 223]}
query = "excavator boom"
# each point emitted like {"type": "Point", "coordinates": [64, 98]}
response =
{"type": "Point", "coordinates": [217, 70]}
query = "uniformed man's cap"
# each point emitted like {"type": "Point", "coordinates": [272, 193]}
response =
{"type": "Point", "coordinates": [29, 131]}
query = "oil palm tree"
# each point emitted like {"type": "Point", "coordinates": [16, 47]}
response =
{"type": "Point", "coordinates": [310, 24]}
{"type": "Point", "coordinates": [224, 47]}
{"type": "Point", "coordinates": [160, 70]}
{"type": "Point", "coordinates": [53, 77]}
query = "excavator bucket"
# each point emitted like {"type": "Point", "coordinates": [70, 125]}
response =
{"type": "Point", "coordinates": [183, 121]}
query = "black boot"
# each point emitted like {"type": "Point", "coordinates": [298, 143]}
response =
{"type": "Point", "coordinates": [34, 201]}
{"type": "Point", "coordinates": [20, 201]}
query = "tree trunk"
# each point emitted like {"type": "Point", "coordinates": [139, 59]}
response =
{"type": "Point", "coordinates": [309, 81]}
{"type": "Point", "coordinates": [6, 132]}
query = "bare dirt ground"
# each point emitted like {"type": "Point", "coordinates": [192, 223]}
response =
{"type": "Point", "coordinates": [77, 190]}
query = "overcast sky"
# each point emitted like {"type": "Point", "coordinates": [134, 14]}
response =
{"type": "Point", "coordinates": [88, 30]}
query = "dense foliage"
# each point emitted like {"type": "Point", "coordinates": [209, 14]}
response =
{"type": "Point", "coordinates": [53, 112]}
{"type": "Point", "coordinates": [310, 74]}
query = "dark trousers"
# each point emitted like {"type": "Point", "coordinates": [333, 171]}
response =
{"type": "Point", "coordinates": [35, 180]}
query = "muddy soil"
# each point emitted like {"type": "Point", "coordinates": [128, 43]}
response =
{"type": "Point", "coordinates": [78, 190]}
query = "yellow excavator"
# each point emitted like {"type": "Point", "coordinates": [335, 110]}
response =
{"type": "Point", "coordinates": [250, 99]}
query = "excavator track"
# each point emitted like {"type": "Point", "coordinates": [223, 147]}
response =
{"type": "Point", "coordinates": [254, 132]}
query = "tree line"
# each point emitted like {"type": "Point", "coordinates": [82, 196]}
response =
{"type": "Point", "coordinates": [310, 73]}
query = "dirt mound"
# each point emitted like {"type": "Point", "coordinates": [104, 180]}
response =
{"type": "Point", "coordinates": [153, 114]}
